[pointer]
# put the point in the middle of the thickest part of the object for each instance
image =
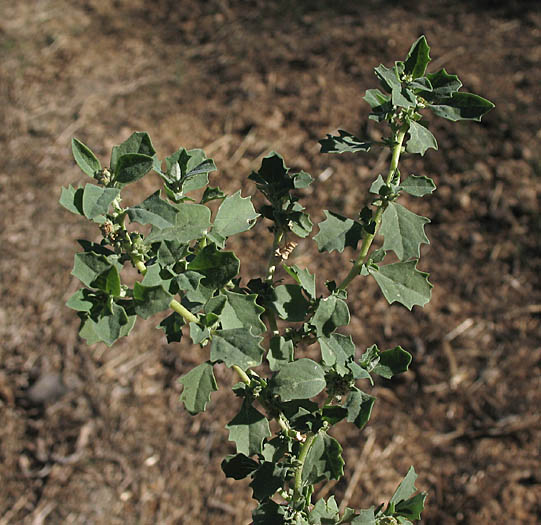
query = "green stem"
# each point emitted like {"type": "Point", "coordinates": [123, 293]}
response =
{"type": "Point", "coordinates": [140, 265]}
{"type": "Point", "coordinates": [369, 237]}
{"type": "Point", "coordinates": [184, 312]}
{"type": "Point", "coordinates": [242, 374]}
{"type": "Point", "coordinates": [305, 448]}
{"type": "Point", "coordinates": [271, 265]}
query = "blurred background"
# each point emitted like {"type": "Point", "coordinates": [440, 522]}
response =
{"type": "Point", "coordinates": [97, 435]}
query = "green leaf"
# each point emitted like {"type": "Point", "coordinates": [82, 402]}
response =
{"type": "Point", "coordinates": [212, 194]}
{"type": "Point", "coordinates": [138, 142]}
{"type": "Point", "coordinates": [330, 313]}
{"type": "Point", "coordinates": [462, 106]}
{"type": "Point", "coordinates": [412, 507]}
{"type": "Point", "coordinates": [376, 98]}
{"type": "Point", "coordinates": [248, 429]}
{"type": "Point", "coordinates": [418, 186]}
{"type": "Point", "coordinates": [337, 350]}
{"type": "Point", "coordinates": [172, 327]}
{"type": "Point", "coordinates": [403, 231]}
{"type": "Point", "coordinates": [280, 352]}
{"type": "Point", "coordinates": [406, 488]}
{"type": "Point", "coordinates": [290, 303]}
{"type": "Point", "coordinates": [85, 159]}
{"type": "Point", "coordinates": [198, 166]}
{"type": "Point", "coordinates": [132, 167]}
{"type": "Point", "coordinates": [304, 278]}
{"type": "Point", "coordinates": [72, 199]}
{"type": "Point", "coordinates": [359, 406]}
{"type": "Point", "coordinates": [302, 180]}
{"type": "Point", "coordinates": [218, 267]}
{"type": "Point", "coordinates": [443, 85]}
{"type": "Point", "coordinates": [82, 300]}
{"type": "Point", "coordinates": [88, 266]}
{"type": "Point", "coordinates": [150, 300]}
{"type": "Point", "coordinates": [343, 142]}
{"type": "Point", "coordinates": [365, 517]}
{"type": "Point", "coordinates": [236, 346]}
{"type": "Point", "coordinates": [392, 362]}
{"type": "Point", "coordinates": [108, 281]}
{"type": "Point", "coordinates": [242, 311]}
{"type": "Point", "coordinates": [154, 210]}
{"type": "Point", "coordinates": [324, 512]}
{"type": "Point", "coordinates": [198, 383]}
{"type": "Point", "coordinates": [96, 201]}
{"type": "Point", "coordinates": [270, 513]}
{"type": "Point", "coordinates": [190, 283]}
{"type": "Point", "coordinates": [267, 479]}
{"type": "Point", "coordinates": [235, 215]}
{"type": "Point", "coordinates": [403, 97]}
{"type": "Point", "coordinates": [273, 179]}
{"type": "Point", "coordinates": [336, 232]}
{"type": "Point", "coordinates": [192, 222]}
{"type": "Point", "coordinates": [107, 326]}
{"type": "Point", "coordinates": [420, 139]}
{"type": "Point", "coordinates": [402, 282]}
{"type": "Point", "coordinates": [238, 466]}
{"type": "Point", "coordinates": [300, 379]}
{"type": "Point", "coordinates": [198, 334]}
{"type": "Point", "coordinates": [323, 461]}
{"type": "Point", "coordinates": [418, 58]}
{"type": "Point", "coordinates": [388, 77]}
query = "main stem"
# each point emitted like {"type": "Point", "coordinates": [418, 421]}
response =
{"type": "Point", "coordinates": [369, 237]}
{"type": "Point", "coordinates": [305, 448]}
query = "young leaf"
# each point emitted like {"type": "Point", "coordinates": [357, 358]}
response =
{"type": "Point", "coordinates": [359, 406]}
{"type": "Point", "coordinates": [111, 324]}
{"type": "Point", "coordinates": [343, 142]}
{"type": "Point", "coordinates": [403, 97]}
{"type": "Point", "coordinates": [248, 429]}
{"type": "Point", "coordinates": [462, 106]}
{"type": "Point", "coordinates": [150, 300]}
{"type": "Point", "coordinates": [238, 466]}
{"type": "Point", "coordinates": [420, 139]}
{"type": "Point", "coordinates": [238, 311]}
{"type": "Point", "coordinates": [172, 326]}
{"type": "Point", "coordinates": [72, 199]}
{"type": "Point", "coordinates": [235, 215]}
{"type": "Point", "coordinates": [212, 194]}
{"type": "Point", "coordinates": [443, 85]}
{"type": "Point", "coordinates": [109, 282]}
{"type": "Point", "coordinates": [217, 267]}
{"type": "Point", "coordinates": [88, 266]}
{"type": "Point", "coordinates": [96, 201]}
{"type": "Point", "coordinates": [411, 508]}
{"type": "Point", "coordinates": [138, 142]}
{"type": "Point", "coordinates": [198, 166]}
{"type": "Point", "coordinates": [418, 58]}
{"type": "Point", "coordinates": [337, 350]}
{"type": "Point", "coordinates": [154, 210]}
{"type": "Point", "coordinates": [280, 352]}
{"type": "Point", "coordinates": [388, 77]}
{"type": "Point", "coordinates": [418, 186]}
{"type": "Point", "coordinates": [82, 300]}
{"type": "Point", "coordinates": [323, 461]}
{"type": "Point", "coordinates": [324, 512]}
{"type": "Point", "coordinates": [267, 479]}
{"type": "Point", "coordinates": [290, 303]}
{"type": "Point", "coordinates": [304, 278]}
{"type": "Point", "coordinates": [376, 98]}
{"type": "Point", "coordinates": [192, 222]}
{"type": "Point", "coordinates": [85, 159]}
{"type": "Point", "coordinates": [336, 232]}
{"type": "Point", "coordinates": [198, 383]}
{"type": "Point", "coordinates": [300, 379]}
{"type": "Point", "coordinates": [402, 282]}
{"type": "Point", "coordinates": [403, 231]}
{"type": "Point", "coordinates": [132, 167]}
{"type": "Point", "coordinates": [273, 179]}
{"type": "Point", "coordinates": [237, 346]}
{"type": "Point", "coordinates": [392, 362]}
{"type": "Point", "coordinates": [406, 488]}
{"type": "Point", "coordinates": [330, 313]}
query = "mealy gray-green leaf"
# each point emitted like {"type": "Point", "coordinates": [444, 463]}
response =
{"type": "Point", "coordinates": [402, 282]}
{"type": "Point", "coordinates": [443, 85]}
{"type": "Point", "coordinates": [150, 300]}
{"type": "Point", "coordinates": [137, 142]}
{"type": "Point", "coordinates": [418, 186]}
{"type": "Point", "coordinates": [88, 266]}
{"type": "Point", "coordinates": [300, 379]}
{"type": "Point", "coordinates": [420, 139]}
{"type": "Point", "coordinates": [323, 461]}
{"type": "Point", "coordinates": [270, 513]}
{"type": "Point", "coordinates": [218, 267]}
{"type": "Point", "coordinates": [418, 58]}
{"type": "Point", "coordinates": [198, 383]}
{"type": "Point", "coordinates": [359, 406]}
{"type": "Point", "coordinates": [248, 429]}
{"type": "Point", "coordinates": [273, 179]}
{"type": "Point", "coordinates": [85, 159]}
{"type": "Point", "coordinates": [392, 362]}
{"type": "Point", "coordinates": [132, 167]}
{"type": "Point", "coordinates": [324, 510]}
{"type": "Point", "coordinates": [330, 313]}
{"type": "Point", "coordinates": [239, 311]}
{"type": "Point", "coordinates": [336, 232]}
{"type": "Point", "coordinates": [96, 201]}
{"type": "Point", "coordinates": [337, 350]}
{"type": "Point", "coordinates": [343, 142]}
{"type": "Point", "coordinates": [462, 106]}
{"type": "Point", "coordinates": [406, 488]}
{"type": "Point", "coordinates": [238, 466]}
{"type": "Point", "coordinates": [267, 479]}
{"type": "Point", "coordinates": [304, 278]}
{"type": "Point", "coordinates": [290, 303]}
{"type": "Point", "coordinates": [411, 508]}
{"type": "Point", "coordinates": [388, 77]}
{"type": "Point", "coordinates": [172, 327]}
{"type": "Point", "coordinates": [72, 199]}
{"type": "Point", "coordinates": [237, 346]}
{"type": "Point", "coordinates": [190, 284]}
{"type": "Point", "coordinates": [403, 97]}
{"type": "Point", "coordinates": [365, 517]}
{"type": "Point", "coordinates": [82, 300]}
{"type": "Point", "coordinates": [154, 210]}
{"type": "Point", "coordinates": [236, 214]}
{"type": "Point", "coordinates": [403, 231]}
{"type": "Point", "coordinates": [110, 325]}
{"type": "Point", "coordinates": [191, 223]}
{"type": "Point", "coordinates": [108, 281]}
{"type": "Point", "coordinates": [281, 351]}
{"type": "Point", "coordinates": [376, 98]}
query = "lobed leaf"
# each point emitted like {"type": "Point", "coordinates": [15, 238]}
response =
{"type": "Point", "coordinates": [154, 210]}
{"type": "Point", "coordinates": [359, 407]}
{"type": "Point", "coordinates": [267, 479]}
{"type": "Point", "coordinates": [236, 214]}
{"type": "Point", "coordinates": [337, 350]}
{"type": "Point", "coordinates": [290, 303]}
{"type": "Point", "coordinates": [418, 186]}
{"type": "Point", "coordinates": [392, 362]}
{"type": "Point", "coordinates": [462, 106]}
{"type": "Point", "coordinates": [236, 346]}
{"type": "Point", "coordinates": [248, 429]}
{"type": "Point", "coordinates": [443, 85]}
{"type": "Point", "coordinates": [281, 351]}
{"type": "Point", "coordinates": [96, 201]}
{"type": "Point", "coordinates": [330, 313]}
{"type": "Point", "coordinates": [138, 142]}
{"type": "Point", "coordinates": [304, 278]}
{"type": "Point", "coordinates": [72, 199]}
{"type": "Point", "coordinates": [198, 384]}
{"type": "Point", "coordinates": [150, 300]}
{"type": "Point", "coordinates": [323, 461]}
{"type": "Point", "coordinates": [238, 466]}
{"type": "Point", "coordinates": [343, 142]}
{"type": "Point", "coordinates": [418, 58]}
{"type": "Point", "coordinates": [218, 267]}
{"type": "Point", "coordinates": [336, 232]}
{"type": "Point", "coordinates": [191, 223]}
{"type": "Point", "coordinates": [420, 139]}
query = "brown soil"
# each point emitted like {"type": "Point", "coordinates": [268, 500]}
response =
{"type": "Point", "coordinates": [96, 435]}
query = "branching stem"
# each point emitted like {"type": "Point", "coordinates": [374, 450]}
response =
{"type": "Point", "coordinates": [181, 310]}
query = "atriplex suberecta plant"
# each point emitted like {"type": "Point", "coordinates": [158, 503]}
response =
{"type": "Point", "coordinates": [185, 268]}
